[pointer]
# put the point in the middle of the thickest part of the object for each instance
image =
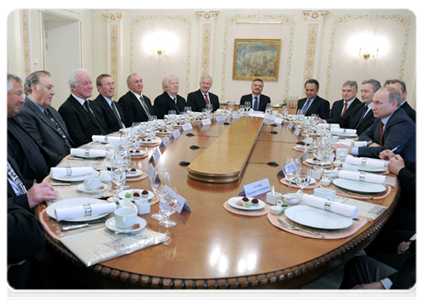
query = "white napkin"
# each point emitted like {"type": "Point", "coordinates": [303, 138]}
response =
{"type": "Point", "coordinates": [78, 211]}
{"type": "Point", "coordinates": [368, 177]}
{"type": "Point", "coordinates": [336, 207]}
{"type": "Point", "coordinates": [74, 171]}
{"type": "Point", "coordinates": [352, 143]}
{"type": "Point", "coordinates": [369, 162]}
{"type": "Point", "coordinates": [342, 130]}
{"type": "Point", "coordinates": [104, 138]}
{"type": "Point", "coordinates": [325, 125]}
{"type": "Point", "coordinates": [91, 152]}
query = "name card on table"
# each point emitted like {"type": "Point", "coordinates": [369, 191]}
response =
{"type": "Point", "coordinates": [236, 116]}
{"type": "Point", "coordinates": [270, 117]}
{"type": "Point", "coordinates": [156, 155]}
{"type": "Point", "coordinates": [289, 168]}
{"type": "Point", "coordinates": [150, 171]}
{"type": "Point", "coordinates": [291, 125]}
{"type": "Point", "coordinates": [220, 118]}
{"type": "Point", "coordinates": [297, 132]}
{"type": "Point", "coordinates": [186, 126]}
{"type": "Point", "coordinates": [205, 122]}
{"type": "Point", "coordinates": [165, 142]}
{"type": "Point", "coordinates": [279, 121]}
{"type": "Point", "coordinates": [182, 202]}
{"type": "Point", "coordinates": [255, 188]}
{"type": "Point", "coordinates": [175, 133]}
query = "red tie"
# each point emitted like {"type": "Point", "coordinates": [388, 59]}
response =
{"type": "Point", "coordinates": [207, 99]}
{"type": "Point", "coordinates": [381, 133]}
{"type": "Point", "coordinates": [345, 109]}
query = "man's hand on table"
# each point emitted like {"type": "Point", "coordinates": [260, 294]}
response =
{"type": "Point", "coordinates": [337, 146]}
{"type": "Point", "coordinates": [396, 163]}
{"type": "Point", "coordinates": [39, 193]}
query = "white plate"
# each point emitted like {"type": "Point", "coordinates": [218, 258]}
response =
{"type": "Point", "coordinates": [101, 189]}
{"type": "Point", "coordinates": [134, 154]}
{"type": "Point", "coordinates": [316, 162]}
{"type": "Point", "coordinates": [233, 202]}
{"type": "Point", "coordinates": [73, 202]}
{"type": "Point", "coordinates": [163, 132]}
{"type": "Point", "coordinates": [149, 142]}
{"type": "Point", "coordinates": [370, 169]}
{"type": "Point", "coordinates": [312, 181]}
{"type": "Point", "coordinates": [88, 157]}
{"type": "Point", "coordinates": [137, 173]}
{"type": "Point", "coordinates": [317, 218]}
{"type": "Point", "coordinates": [359, 186]}
{"type": "Point", "coordinates": [73, 178]}
{"type": "Point", "coordinates": [110, 223]}
{"type": "Point", "coordinates": [122, 194]}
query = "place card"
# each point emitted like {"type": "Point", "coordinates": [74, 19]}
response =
{"type": "Point", "coordinates": [150, 171]}
{"type": "Point", "coordinates": [279, 121]}
{"type": "Point", "coordinates": [165, 142]}
{"type": "Point", "coordinates": [182, 202]}
{"type": "Point", "coordinates": [205, 122]}
{"type": "Point", "coordinates": [291, 125]}
{"type": "Point", "coordinates": [176, 133]}
{"type": "Point", "coordinates": [270, 117]}
{"type": "Point", "coordinates": [186, 126]}
{"type": "Point", "coordinates": [255, 188]}
{"type": "Point", "coordinates": [297, 132]}
{"type": "Point", "coordinates": [220, 118]}
{"type": "Point", "coordinates": [156, 155]}
{"type": "Point", "coordinates": [236, 116]}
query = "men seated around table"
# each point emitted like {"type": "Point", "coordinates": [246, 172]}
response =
{"type": "Point", "coordinates": [136, 106]}
{"type": "Point", "coordinates": [401, 88]}
{"type": "Point", "coordinates": [199, 99]}
{"type": "Point", "coordinates": [313, 104]}
{"type": "Point", "coordinates": [392, 128]}
{"type": "Point", "coordinates": [110, 110]}
{"type": "Point", "coordinates": [361, 116]}
{"type": "Point", "coordinates": [82, 119]}
{"type": "Point", "coordinates": [169, 100]}
{"type": "Point", "coordinates": [41, 120]}
{"type": "Point", "coordinates": [348, 101]}
{"type": "Point", "coordinates": [31, 160]}
{"type": "Point", "coordinates": [257, 99]}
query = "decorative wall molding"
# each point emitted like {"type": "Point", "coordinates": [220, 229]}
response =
{"type": "Point", "coordinates": [315, 15]}
{"type": "Point", "coordinates": [207, 33]}
{"type": "Point", "coordinates": [26, 41]}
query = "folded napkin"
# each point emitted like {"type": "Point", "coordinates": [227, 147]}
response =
{"type": "Point", "coordinates": [352, 143]}
{"type": "Point", "coordinates": [70, 171]}
{"type": "Point", "coordinates": [88, 152]}
{"type": "Point", "coordinates": [342, 130]}
{"type": "Point", "coordinates": [324, 125]}
{"type": "Point", "coordinates": [105, 138]}
{"type": "Point", "coordinates": [361, 176]}
{"type": "Point", "coordinates": [368, 162]}
{"type": "Point", "coordinates": [82, 210]}
{"type": "Point", "coordinates": [335, 207]}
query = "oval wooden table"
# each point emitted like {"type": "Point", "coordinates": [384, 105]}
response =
{"type": "Point", "coordinates": [212, 248]}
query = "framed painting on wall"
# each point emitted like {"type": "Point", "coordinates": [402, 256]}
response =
{"type": "Point", "coordinates": [256, 58]}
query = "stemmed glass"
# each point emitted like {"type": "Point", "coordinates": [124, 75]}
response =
{"type": "Point", "coordinates": [231, 105]}
{"type": "Point", "coordinates": [161, 181]}
{"type": "Point", "coordinates": [291, 168]}
{"type": "Point", "coordinates": [268, 109]}
{"type": "Point", "coordinates": [168, 205]}
{"type": "Point", "coordinates": [303, 179]}
{"type": "Point", "coordinates": [188, 110]}
{"type": "Point", "coordinates": [209, 107]}
{"type": "Point", "coordinates": [247, 105]}
{"type": "Point", "coordinates": [119, 178]}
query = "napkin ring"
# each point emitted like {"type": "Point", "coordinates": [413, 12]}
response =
{"type": "Point", "coordinates": [106, 139]}
{"type": "Point", "coordinates": [363, 161]}
{"type": "Point", "coordinates": [362, 176]}
{"type": "Point", "coordinates": [328, 203]}
{"type": "Point", "coordinates": [88, 210]}
{"type": "Point", "coordinates": [68, 171]}
{"type": "Point", "coordinates": [87, 152]}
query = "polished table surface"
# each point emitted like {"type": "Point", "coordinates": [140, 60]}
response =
{"type": "Point", "coordinates": [213, 248]}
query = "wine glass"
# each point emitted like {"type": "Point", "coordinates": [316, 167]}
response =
{"type": "Point", "coordinates": [291, 168]}
{"type": "Point", "coordinates": [168, 205]}
{"type": "Point", "coordinates": [241, 108]}
{"type": "Point", "coordinates": [268, 109]}
{"type": "Point", "coordinates": [209, 107]}
{"type": "Point", "coordinates": [303, 179]}
{"type": "Point", "coordinates": [188, 110]}
{"type": "Point", "coordinates": [247, 105]}
{"type": "Point", "coordinates": [119, 178]}
{"type": "Point", "coordinates": [161, 181]}
{"type": "Point", "coordinates": [231, 105]}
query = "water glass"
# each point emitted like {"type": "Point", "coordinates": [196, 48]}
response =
{"type": "Point", "coordinates": [168, 204]}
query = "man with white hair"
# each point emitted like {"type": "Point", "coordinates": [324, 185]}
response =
{"type": "Point", "coordinates": [82, 119]}
{"type": "Point", "coordinates": [169, 100]}
{"type": "Point", "coordinates": [200, 99]}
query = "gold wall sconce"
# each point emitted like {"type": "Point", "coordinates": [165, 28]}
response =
{"type": "Point", "coordinates": [368, 49]}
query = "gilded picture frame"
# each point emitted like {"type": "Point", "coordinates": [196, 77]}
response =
{"type": "Point", "coordinates": [256, 58]}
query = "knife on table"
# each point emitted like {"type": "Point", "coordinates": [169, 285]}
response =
{"type": "Point", "coordinates": [65, 228]}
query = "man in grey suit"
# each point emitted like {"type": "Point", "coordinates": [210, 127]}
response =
{"type": "Point", "coordinates": [348, 102]}
{"type": "Point", "coordinates": [41, 120]}
{"type": "Point", "coordinates": [401, 88]}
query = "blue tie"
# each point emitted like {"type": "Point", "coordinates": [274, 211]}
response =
{"type": "Point", "coordinates": [255, 103]}
{"type": "Point", "coordinates": [305, 107]}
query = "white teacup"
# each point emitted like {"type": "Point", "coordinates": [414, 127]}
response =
{"type": "Point", "coordinates": [125, 217]}
{"type": "Point", "coordinates": [276, 209]}
{"type": "Point", "coordinates": [92, 182]}
{"type": "Point", "coordinates": [324, 193]}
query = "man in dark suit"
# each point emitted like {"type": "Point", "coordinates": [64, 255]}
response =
{"type": "Point", "coordinates": [401, 88]}
{"type": "Point", "coordinates": [313, 104]}
{"type": "Point", "coordinates": [41, 120]}
{"type": "Point", "coordinates": [169, 100]}
{"type": "Point", "coordinates": [361, 116]}
{"type": "Point", "coordinates": [111, 112]}
{"type": "Point", "coordinates": [257, 99]}
{"type": "Point", "coordinates": [199, 99]}
{"type": "Point", "coordinates": [392, 128]}
{"type": "Point", "coordinates": [82, 119]}
{"type": "Point", "coordinates": [348, 101]}
{"type": "Point", "coordinates": [136, 106]}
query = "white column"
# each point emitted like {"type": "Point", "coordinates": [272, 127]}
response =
{"type": "Point", "coordinates": [207, 33]}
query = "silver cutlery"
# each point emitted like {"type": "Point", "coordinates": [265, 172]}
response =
{"type": "Point", "coordinates": [66, 228]}
{"type": "Point", "coordinates": [59, 184]}
{"type": "Point", "coordinates": [353, 194]}
{"type": "Point", "coordinates": [300, 229]}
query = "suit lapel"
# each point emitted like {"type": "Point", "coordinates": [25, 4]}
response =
{"type": "Point", "coordinates": [41, 115]}
{"type": "Point", "coordinates": [138, 104]}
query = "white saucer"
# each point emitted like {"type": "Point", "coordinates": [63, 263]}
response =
{"type": "Point", "coordinates": [141, 153]}
{"type": "Point", "coordinates": [122, 194]}
{"type": "Point", "coordinates": [101, 189]}
{"type": "Point", "coordinates": [137, 173]}
{"type": "Point", "coordinates": [110, 224]}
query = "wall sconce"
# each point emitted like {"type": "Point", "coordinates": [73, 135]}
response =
{"type": "Point", "coordinates": [368, 49]}
{"type": "Point", "coordinates": [159, 47]}
{"type": "Point", "coordinates": [161, 42]}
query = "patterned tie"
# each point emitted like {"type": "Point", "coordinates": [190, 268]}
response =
{"type": "Point", "coordinates": [345, 109]}
{"type": "Point", "coordinates": [305, 107]}
{"type": "Point", "coordinates": [15, 181]}
{"type": "Point", "coordinates": [176, 104]}
{"type": "Point", "coordinates": [381, 133]}
{"type": "Point", "coordinates": [362, 116]}
{"type": "Point", "coordinates": [144, 105]}
{"type": "Point", "coordinates": [116, 114]}
{"type": "Point", "coordinates": [255, 107]}
{"type": "Point", "coordinates": [92, 115]}
{"type": "Point", "coordinates": [207, 99]}
{"type": "Point", "coordinates": [58, 128]}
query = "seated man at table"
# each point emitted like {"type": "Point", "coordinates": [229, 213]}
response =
{"type": "Point", "coordinates": [33, 162]}
{"type": "Point", "coordinates": [348, 101]}
{"type": "Point", "coordinates": [313, 104]}
{"type": "Point", "coordinates": [110, 110]}
{"type": "Point", "coordinates": [392, 128]}
{"type": "Point", "coordinates": [82, 119]}
{"type": "Point", "coordinates": [169, 100]}
{"type": "Point", "coordinates": [136, 106]}
{"type": "Point", "coordinates": [41, 120]}
{"type": "Point", "coordinates": [257, 100]}
{"type": "Point", "coordinates": [199, 99]}
{"type": "Point", "coordinates": [401, 88]}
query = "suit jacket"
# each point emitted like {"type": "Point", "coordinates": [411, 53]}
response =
{"type": "Point", "coordinates": [197, 102]}
{"type": "Point", "coordinates": [319, 106]}
{"type": "Point", "coordinates": [109, 119]}
{"type": "Point", "coordinates": [44, 131]}
{"type": "Point", "coordinates": [410, 111]}
{"type": "Point", "coordinates": [133, 110]}
{"type": "Point", "coordinates": [21, 200]}
{"type": "Point", "coordinates": [400, 130]}
{"type": "Point", "coordinates": [163, 103]}
{"type": "Point", "coordinates": [338, 107]}
{"type": "Point", "coordinates": [262, 104]}
{"type": "Point", "coordinates": [81, 125]}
